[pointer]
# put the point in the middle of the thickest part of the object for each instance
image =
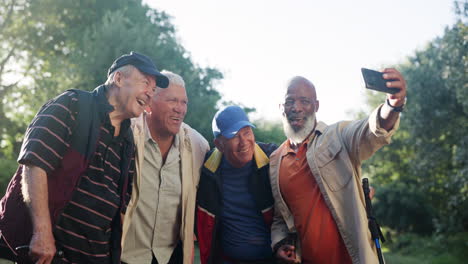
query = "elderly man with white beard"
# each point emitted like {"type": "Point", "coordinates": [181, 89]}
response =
{"type": "Point", "coordinates": [315, 175]}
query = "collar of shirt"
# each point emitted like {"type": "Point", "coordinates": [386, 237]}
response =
{"type": "Point", "coordinates": [124, 126]}
{"type": "Point", "coordinates": [289, 150]}
{"type": "Point", "coordinates": [101, 94]}
{"type": "Point", "coordinates": [104, 108]}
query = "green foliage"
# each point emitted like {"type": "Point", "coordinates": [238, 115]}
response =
{"type": "Point", "coordinates": [269, 132]}
{"type": "Point", "coordinates": [58, 45]}
{"type": "Point", "coordinates": [422, 177]}
{"type": "Point", "coordinates": [444, 258]}
{"type": "Point", "coordinates": [7, 169]}
{"type": "Point", "coordinates": [435, 249]}
{"type": "Point", "coordinates": [394, 258]}
{"type": "Point", "coordinates": [402, 207]}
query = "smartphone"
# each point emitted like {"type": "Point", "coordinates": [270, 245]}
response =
{"type": "Point", "coordinates": [374, 80]}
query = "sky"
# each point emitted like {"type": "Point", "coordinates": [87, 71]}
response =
{"type": "Point", "coordinates": [260, 44]}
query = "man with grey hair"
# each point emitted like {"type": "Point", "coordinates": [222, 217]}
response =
{"type": "Point", "coordinates": [320, 214]}
{"type": "Point", "coordinates": [65, 202]}
{"type": "Point", "coordinates": [159, 224]}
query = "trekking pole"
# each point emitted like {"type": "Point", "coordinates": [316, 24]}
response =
{"type": "Point", "coordinates": [373, 225]}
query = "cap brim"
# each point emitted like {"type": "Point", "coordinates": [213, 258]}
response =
{"type": "Point", "coordinates": [232, 131]}
{"type": "Point", "coordinates": [161, 80]}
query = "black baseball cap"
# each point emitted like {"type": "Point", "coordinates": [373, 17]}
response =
{"type": "Point", "coordinates": [142, 63]}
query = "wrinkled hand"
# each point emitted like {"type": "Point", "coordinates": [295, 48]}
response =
{"type": "Point", "coordinates": [397, 99]}
{"type": "Point", "coordinates": [42, 247]}
{"type": "Point", "coordinates": [286, 255]}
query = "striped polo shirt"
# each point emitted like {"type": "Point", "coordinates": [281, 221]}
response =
{"type": "Point", "coordinates": [83, 229]}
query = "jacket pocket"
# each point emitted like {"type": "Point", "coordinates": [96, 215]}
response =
{"type": "Point", "coordinates": [334, 166]}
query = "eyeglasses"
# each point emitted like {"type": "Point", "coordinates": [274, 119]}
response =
{"type": "Point", "coordinates": [301, 102]}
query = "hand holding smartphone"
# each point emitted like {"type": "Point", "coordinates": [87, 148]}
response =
{"type": "Point", "coordinates": [374, 80]}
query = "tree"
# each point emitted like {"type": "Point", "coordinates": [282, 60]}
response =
{"type": "Point", "coordinates": [49, 46]}
{"type": "Point", "coordinates": [12, 67]}
{"type": "Point", "coordinates": [428, 159]}
{"type": "Point", "coordinates": [269, 132]}
{"type": "Point", "coordinates": [70, 44]}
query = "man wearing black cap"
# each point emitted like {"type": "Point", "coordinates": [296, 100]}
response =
{"type": "Point", "coordinates": [234, 200]}
{"type": "Point", "coordinates": [65, 202]}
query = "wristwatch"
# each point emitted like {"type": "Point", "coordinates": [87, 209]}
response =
{"type": "Point", "coordinates": [397, 109]}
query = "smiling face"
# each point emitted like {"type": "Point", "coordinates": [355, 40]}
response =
{"type": "Point", "coordinates": [168, 109]}
{"type": "Point", "coordinates": [135, 91]}
{"type": "Point", "coordinates": [299, 109]}
{"type": "Point", "coordinates": [238, 150]}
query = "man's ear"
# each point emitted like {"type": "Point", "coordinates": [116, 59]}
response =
{"type": "Point", "coordinates": [118, 77]}
{"type": "Point", "coordinates": [317, 106]}
{"type": "Point", "coordinates": [219, 144]}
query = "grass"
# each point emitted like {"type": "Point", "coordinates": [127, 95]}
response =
{"type": "Point", "coordinates": [411, 249]}
{"type": "Point", "coordinates": [396, 258]}
{"type": "Point", "coordinates": [434, 249]}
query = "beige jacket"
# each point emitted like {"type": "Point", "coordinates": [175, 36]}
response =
{"type": "Point", "coordinates": [193, 148]}
{"type": "Point", "coordinates": [335, 157]}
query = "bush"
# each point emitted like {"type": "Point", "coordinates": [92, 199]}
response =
{"type": "Point", "coordinates": [391, 258]}
{"type": "Point", "coordinates": [7, 169]}
{"type": "Point", "coordinates": [434, 249]}
{"type": "Point", "coordinates": [404, 208]}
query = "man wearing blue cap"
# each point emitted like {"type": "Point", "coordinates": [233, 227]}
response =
{"type": "Point", "coordinates": [234, 200]}
{"type": "Point", "coordinates": [65, 202]}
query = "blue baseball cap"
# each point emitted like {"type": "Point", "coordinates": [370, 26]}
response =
{"type": "Point", "coordinates": [229, 121]}
{"type": "Point", "coordinates": [142, 63]}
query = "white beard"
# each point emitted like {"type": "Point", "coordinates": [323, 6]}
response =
{"type": "Point", "coordinates": [297, 137]}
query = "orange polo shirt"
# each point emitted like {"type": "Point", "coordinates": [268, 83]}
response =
{"type": "Point", "coordinates": [320, 240]}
